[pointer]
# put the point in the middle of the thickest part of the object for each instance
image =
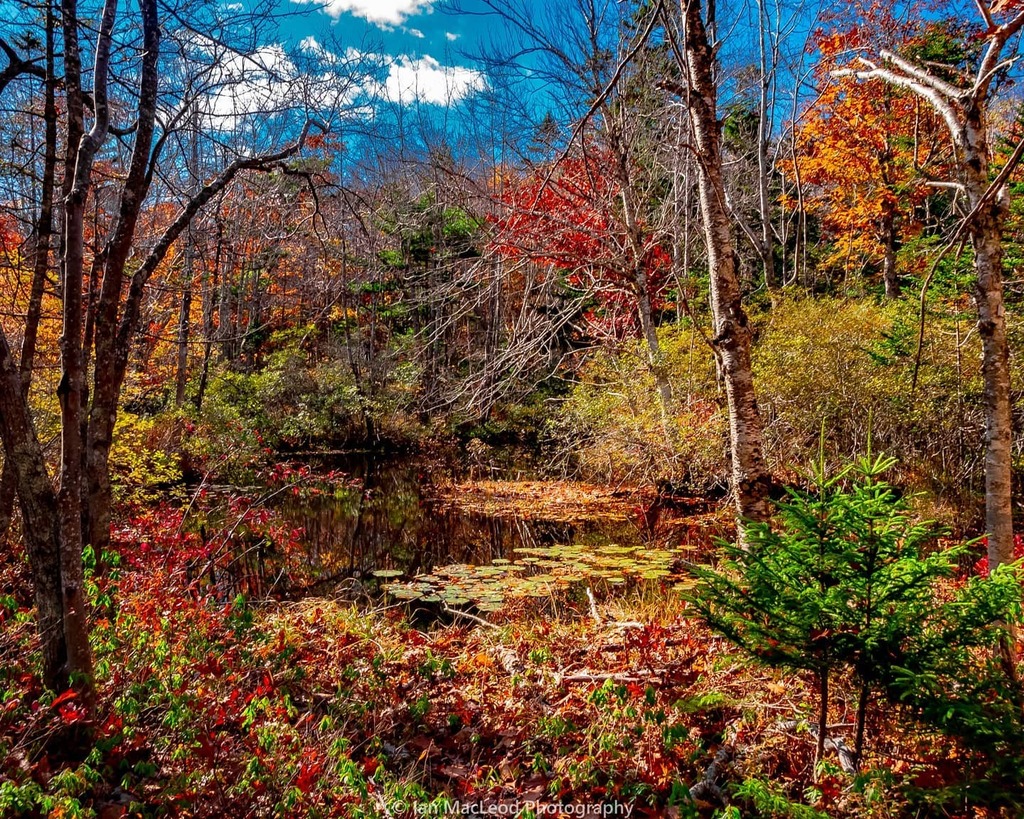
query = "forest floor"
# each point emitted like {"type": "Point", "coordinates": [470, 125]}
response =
{"type": "Point", "coordinates": [569, 705]}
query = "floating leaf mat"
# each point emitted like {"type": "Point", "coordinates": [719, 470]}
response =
{"type": "Point", "coordinates": [536, 572]}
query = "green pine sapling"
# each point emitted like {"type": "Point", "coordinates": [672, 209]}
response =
{"type": "Point", "coordinates": [842, 579]}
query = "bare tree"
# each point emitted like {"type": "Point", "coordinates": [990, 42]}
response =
{"type": "Point", "coordinates": [40, 240]}
{"type": "Point", "coordinates": [59, 523]}
{"type": "Point", "coordinates": [594, 54]}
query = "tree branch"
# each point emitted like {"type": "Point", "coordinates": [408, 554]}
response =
{"type": "Point", "coordinates": [175, 229]}
{"type": "Point", "coordinates": [923, 76]}
{"type": "Point", "coordinates": [986, 15]}
{"type": "Point", "coordinates": [988, 67]}
{"type": "Point", "coordinates": [941, 104]}
{"type": "Point", "coordinates": [17, 65]}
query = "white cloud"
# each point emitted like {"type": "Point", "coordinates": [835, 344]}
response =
{"type": "Point", "coordinates": [267, 81]}
{"type": "Point", "coordinates": [451, 35]}
{"type": "Point", "coordinates": [426, 80]}
{"type": "Point", "coordinates": [415, 32]}
{"type": "Point", "coordinates": [261, 81]}
{"type": "Point", "coordinates": [311, 45]}
{"type": "Point", "coordinates": [381, 12]}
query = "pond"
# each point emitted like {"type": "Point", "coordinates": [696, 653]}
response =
{"type": "Point", "coordinates": [394, 520]}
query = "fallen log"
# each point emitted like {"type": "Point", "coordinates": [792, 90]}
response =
{"type": "Point", "coordinates": [707, 791]}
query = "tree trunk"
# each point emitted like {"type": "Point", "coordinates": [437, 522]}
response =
{"type": "Point", "coordinates": [732, 338]}
{"type": "Point", "coordinates": [40, 260]}
{"type": "Point", "coordinates": [72, 384]}
{"type": "Point", "coordinates": [8, 495]}
{"type": "Point", "coordinates": [181, 376]}
{"type": "Point", "coordinates": [819, 750]}
{"type": "Point", "coordinates": [641, 280]}
{"type": "Point", "coordinates": [986, 236]}
{"type": "Point", "coordinates": [965, 112]}
{"type": "Point", "coordinates": [650, 333]}
{"type": "Point", "coordinates": [184, 317]}
{"type": "Point", "coordinates": [114, 343]}
{"type": "Point", "coordinates": [764, 163]}
{"type": "Point", "coordinates": [106, 384]}
{"type": "Point", "coordinates": [986, 232]}
{"type": "Point", "coordinates": [38, 502]}
{"type": "Point", "coordinates": [24, 460]}
{"type": "Point", "coordinates": [210, 296]}
{"type": "Point", "coordinates": [889, 275]}
{"type": "Point", "coordinates": [862, 717]}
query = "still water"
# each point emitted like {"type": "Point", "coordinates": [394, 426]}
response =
{"type": "Point", "coordinates": [385, 514]}
{"type": "Point", "coordinates": [393, 518]}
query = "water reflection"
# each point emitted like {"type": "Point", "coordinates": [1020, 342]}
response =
{"type": "Point", "coordinates": [391, 519]}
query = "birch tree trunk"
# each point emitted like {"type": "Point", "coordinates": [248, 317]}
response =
{"type": "Point", "coordinates": [732, 338]}
{"type": "Point", "coordinates": [986, 232]}
{"type": "Point", "coordinates": [964, 110]}
{"type": "Point", "coordinates": [765, 110]}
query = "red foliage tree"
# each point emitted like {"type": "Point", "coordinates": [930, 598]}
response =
{"type": "Point", "coordinates": [570, 217]}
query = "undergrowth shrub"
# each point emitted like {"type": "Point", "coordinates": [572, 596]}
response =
{"type": "Point", "coordinates": [615, 429]}
{"type": "Point", "coordinates": [850, 364]}
{"type": "Point", "coordinates": [290, 400]}
{"type": "Point", "coordinates": [970, 691]}
{"type": "Point", "coordinates": [144, 461]}
{"type": "Point", "coordinates": [294, 400]}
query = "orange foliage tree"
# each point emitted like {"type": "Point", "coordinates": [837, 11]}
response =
{"type": "Point", "coordinates": [872, 154]}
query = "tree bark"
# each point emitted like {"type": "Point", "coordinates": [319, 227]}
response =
{"type": "Point", "coordinates": [635, 239]}
{"type": "Point", "coordinates": [8, 496]}
{"type": "Point", "coordinates": [650, 333]}
{"type": "Point", "coordinates": [889, 275]}
{"type": "Point", "coordinates": [40, 259]}
{"type": "Point", "coordinates": [862, 716]}
{"type": "Point", "coordinates": [764, 164]}
{"type": "Point", "coordinates": [965, 112]}
{"type": "Point", "coordinates": [23, 452]}
{"type": "Point", "coordinates": [986, 233]}
{"type": "Point", "coordinates": [70, 495]}
{"type": "Point", "coordinates": [181, 374]}
{"type": "Point", "coordinates": [732, 338]}
{"type": "Point", "coordinates": [211, 294]}
{"type": "Point", "coordinates": [819, 749]}
{"type": "Point", "coordinates": [24, 461]}
{"type": "Point", "coordinates": [106, 384]}
{"type": "Point", "coordinates": [114, 343]}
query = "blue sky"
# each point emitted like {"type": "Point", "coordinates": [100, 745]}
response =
{"type": "Point", "coordinates": [415, 54]}
{"type": "Point", "coordinates": [424, 71]}
{"type": "Point", "coordinates": [404, 24]}
{"type": "Point", "coordinates": [427, 45]}
{"type": "Point", "coordinates": [431, 46]}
